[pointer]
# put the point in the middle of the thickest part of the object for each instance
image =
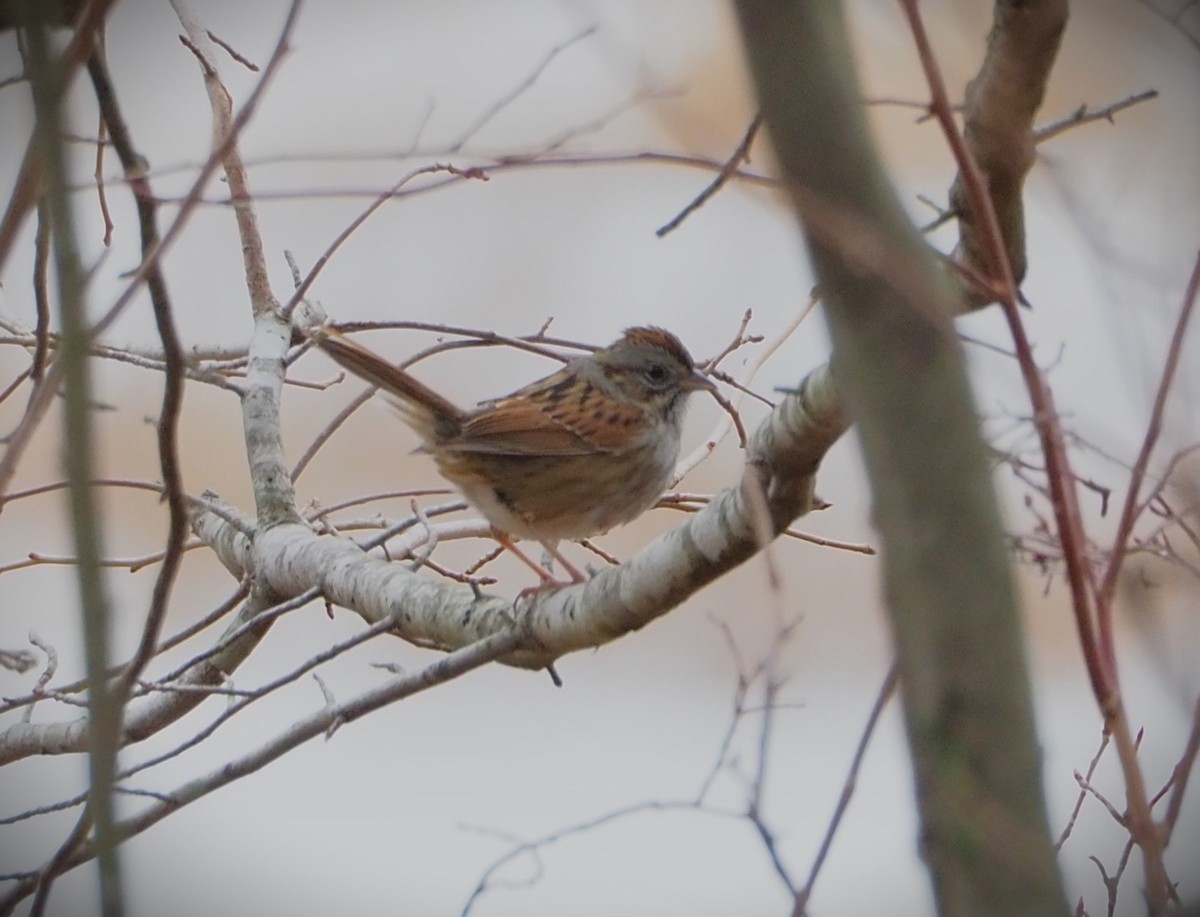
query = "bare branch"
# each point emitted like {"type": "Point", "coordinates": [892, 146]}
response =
{"type": "Point", "coordinates": [1083, 781]}
{"type": "Point", "coordinates": [29, 178]}
{"type": "Point", "coordinates": [1084, 115]}
{"type": "Point", "coordinates": [520, 89]}
{"type": "Point", "coordinates": [40, 400]}
{"type": "Point", "coordinates": [1180, 775]}
{"type": "Point", "coordinates": [886, 690]}
{"type": "Point", "coordinates": [455, 664]}
{"type": "Point", "coordinates": [104, 703]}
{"type": "Point", "coordinates": [787, 448]}
{"type": "Point", "coordinates": [1137, 477]}
{"type": "Point", "coordinates": [740, 154]}
{"type": "Point", "coordinates": [172, 403]}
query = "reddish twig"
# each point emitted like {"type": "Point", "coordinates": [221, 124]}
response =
{"type": "Point", "coordinates": [1179, 777]}
{"type": "Point", "coordinates": [1137, 476]}
{"type": "Point", "coordinates": [1090, 621]}
{"type": "Point", "coordinates": [173, 360]}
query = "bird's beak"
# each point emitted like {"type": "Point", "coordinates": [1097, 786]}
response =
{"type": "Point", "coordinates": [697, 382]}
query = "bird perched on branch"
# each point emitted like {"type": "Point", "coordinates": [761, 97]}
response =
{"type": "Point", "coordinates": [589, 447]}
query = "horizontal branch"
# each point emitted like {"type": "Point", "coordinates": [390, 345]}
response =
{"type": "Point", "coordinates": [784, 454]}
{"type": "Point", "coordinates": [150, 715]}
{"type": "Point", "coordinates": [290, 560]}
{"type": "Point", "coordinates": [323, 722]}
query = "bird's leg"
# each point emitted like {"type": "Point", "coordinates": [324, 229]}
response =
{"type": "Point", "coordinates": [572, 570]}
{"type": "Point", "coordinates": [548, 582]}
{"type": "Point", "coordinates": [508, 544]}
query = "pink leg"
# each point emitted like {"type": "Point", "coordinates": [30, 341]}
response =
{"type": "Point", "coordinates": [572, 570]}
{"type": "Point", "coordinates": [509, 545]}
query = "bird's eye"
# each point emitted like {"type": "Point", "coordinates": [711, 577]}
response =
{"type": "Point", "coordinates": [656, 374]}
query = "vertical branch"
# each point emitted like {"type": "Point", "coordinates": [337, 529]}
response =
{"type": "Point", "coordinates": [41, 293]}
{"type": "Point", "coordinates": [993, 156]}
{"type": "Point", "coordinates": [152, 713]}
{"type": "Point", "coordinates": [173, 368]}
{"type": "Point", "coordinates": [39, 401]}
{"type": "Point", "coordinates": [25, 194]}
{"type": "Point", "coordinates": [951, 601]}
{"type": "Point", "coordinates": [1000, 105]}
{"type": "Point", "coordinates": [991, 241]}
{"type": "Point", "coordinates": [274, 494]}
{"type": "Point", "coordinates": [29, 177]}
{"type": "Point", "coordinates": [1137, 474]}
{"type": "Point", "coordinates": [104, 709]}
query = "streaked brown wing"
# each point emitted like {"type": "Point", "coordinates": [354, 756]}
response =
{"type": "Point", "coordinates": [560, 415]}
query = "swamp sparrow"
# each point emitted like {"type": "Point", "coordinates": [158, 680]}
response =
{"type": "Point", "coordinates": [571, 455]}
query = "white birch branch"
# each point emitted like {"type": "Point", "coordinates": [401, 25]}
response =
{"type": "Point", "coordinates": [289, 559]}
{"type": "Point", "coordinates": [324, 721]}
{"type": "Point", "coordinates": [274, 496]}
{"type": "Point", "coordinates": [784, 453]}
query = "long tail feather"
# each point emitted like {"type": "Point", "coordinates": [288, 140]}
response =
{"type": "Point", "coordinates": [371, 367]}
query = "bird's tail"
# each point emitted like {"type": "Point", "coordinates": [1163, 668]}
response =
{"type": "Point", "coordinates": [427, 412]}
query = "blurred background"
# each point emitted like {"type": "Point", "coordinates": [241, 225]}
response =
{"type": "Point", "coordinates": [405, 810]}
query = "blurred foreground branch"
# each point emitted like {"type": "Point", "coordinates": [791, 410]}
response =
{"type": "Point", "coordinates": [963, 679]}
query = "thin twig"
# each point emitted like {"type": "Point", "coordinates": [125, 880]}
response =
{"type": "Point", "coordinates": [41, 292]}
{"type": "Point", "coordinates": [886, 690]}
{"type": "Point", "coordinates": [330, 428]}
{"type": "Point", "coordinates": [57, 864]}
{"type": "Point", "coordinates": [1180, 775]}
{"type": "Point", "coordinates": [303, 287]}
{"type": "Point", "coordinates": [453, 665]}
{"type": "Point", "coordinates": [16, 383]}
{"type": "Point", "coordinates": [1084, 115]}
{"type": "Point", "coordinates": [740, 155]}
{"type": "Point", "coordinates": [1137, 475]}
{"type": "Point", "coordinates": [228, 49]}
{"type": "Point", "coordinates": [48, 672]}
{"type": "Point", "coordinates": [1083, 781]}
{"type": "Point", "coordinates": [170, 643]}
{"type": "Point", "coordinates": [248, 697]}
{"type": "Point", "coordinates": [499, 165]}
{"type": "Point", "coordinates": [98, 175]}
{"type": "Point", "coordinates": [721, 430]}
{"type": "Point", "coordinates": [173, 359]}
{"type": "Point", "coordinates": [520, 89]}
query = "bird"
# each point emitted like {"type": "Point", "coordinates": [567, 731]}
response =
{"type": "Point", "coordinates": [587, 448]}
